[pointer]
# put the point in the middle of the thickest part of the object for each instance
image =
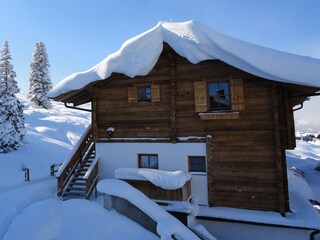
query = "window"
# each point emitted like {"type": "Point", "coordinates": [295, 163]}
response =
{"type": "Point", "coordinates": [219, 96]}
{"type": "Point", "coordinates": [144, 94]}
{"type": "Point", "coordinates": [197, 164]}
{"type": "Point", "coordinates": [148, 161]}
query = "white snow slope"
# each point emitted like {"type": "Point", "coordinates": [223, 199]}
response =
{"type": "Point", "coordinates": [196, 42]}
{"type": "Point", "coordinates": [31, 210]}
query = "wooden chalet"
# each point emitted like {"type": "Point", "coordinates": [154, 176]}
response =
{"type": "Point", "coordinates": [242, 122]}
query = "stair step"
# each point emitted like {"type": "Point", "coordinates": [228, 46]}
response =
{"type": "Point", "coordinates": [73, 188]}
{"type": "Point", "coordinates": [76, 183]}
{"type": "Point", "coordinates": [79, 174]}
{"type": "Point", "coordinates": [75, 191]}
{"type": "Point", "coordinates": [78, 177]}
{"type": "Point", "coordinates": [73, 195]}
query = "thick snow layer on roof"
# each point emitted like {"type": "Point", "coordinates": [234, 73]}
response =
{"type": "Point", "coordinates": [164, 179]}
{"type": "Point", "coordinates": [167, 225]}
{"type": "Point", "coordinates": [196, 42]}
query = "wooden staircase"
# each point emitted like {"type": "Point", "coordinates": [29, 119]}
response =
{"type": "Point", "coordinates": [78, 177]}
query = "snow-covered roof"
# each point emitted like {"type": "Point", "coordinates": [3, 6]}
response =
{"type": "Point", "coordinates": [196, 42]}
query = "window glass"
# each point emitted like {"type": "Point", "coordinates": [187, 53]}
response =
{"type": "Point", "coordinates": [219, 96]}
{"type": "Point", "coordinates": [144, 94]}
{"type": "Point", "coordinates": [197, 164]}
{"type": "Point", "coordinates": [144, 163]}
{"type": "Point", "coordinates": [148, 161]}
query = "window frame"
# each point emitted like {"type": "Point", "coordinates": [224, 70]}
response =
{"type": "Point", "coordinates": [229, 95]}
{"type": "Point", "coordinates": [197, 170]}
{"type": "Point", "coordinates": [140, 155]}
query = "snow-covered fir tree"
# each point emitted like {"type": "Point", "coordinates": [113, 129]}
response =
{"type": "Point", "coordinates": [39, 79]}
{"type": "Point", "coordinates": [12, 129]}
{"type": "Point", "coordinates": [6, 70]}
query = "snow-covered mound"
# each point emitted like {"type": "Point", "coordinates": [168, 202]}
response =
{"type": "Point", "coordinates": [163, 179]}
{"type": "Point", "coordinates": [196, 42]}
{"type": "Point", "coordinates": [73, 219]}
{"type": "Point", "coordinates": [167, 225]}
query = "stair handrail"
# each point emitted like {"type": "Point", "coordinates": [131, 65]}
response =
{"type": "Point", "coordinates": [91, 177]}
{"type": "Point", "coordinates": [69, 166]}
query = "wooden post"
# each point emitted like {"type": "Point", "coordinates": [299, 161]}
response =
{"type": "Point", "coordinates": [94, 120]}
{"type": "Point", "coordinates": [173, 93]}
{"type": "Point", "coordinates": [209, 170]}
{"type": "Point", "coordinates": [278, 151]}
{"type": "Point", "coordinates": [27, 175]}
{"type": "Point", "coordinates": [290, 121]}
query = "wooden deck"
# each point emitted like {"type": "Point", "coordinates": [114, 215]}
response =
{"type": "Point", "coordinates": [157, 193]}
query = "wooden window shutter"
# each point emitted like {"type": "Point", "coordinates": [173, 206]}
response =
{"type": "Point", "coordinates": [155, 93]}
{"type": "Point", "coordinates": [200, 96]}
{"type": "Point", "coordinates": [237, 97]}
{"type": "Point", "coordinates": [132, 94]}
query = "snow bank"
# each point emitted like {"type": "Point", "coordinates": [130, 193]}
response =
{"type": "Point", "coordinates": [50, 136]}
{"type": "Point", "coordinates": [196, 42]}
{"type": "Point", "coordinates": [163, 179]}
{"type": "Point", "coordinates": [167, 225]}
{"type": "Point", "coordinates": [14, 200]}
{"type": "Point", "coordinates": [73, 219]}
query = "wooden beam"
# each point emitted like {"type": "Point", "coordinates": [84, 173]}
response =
{"type": "Point", "coordinates": [210, 169]}
{"type": "Point", "coordinates": [278, 150]}
{"type": "Point", "coordinates": [173, 94]}
{"type": "Point", "coordinates": [290, 122]}
{"type": "Point", "coordinates": [94, 120]}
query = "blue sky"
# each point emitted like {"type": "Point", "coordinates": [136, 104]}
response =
{"type": "Point", "coordinates": [80, 33]}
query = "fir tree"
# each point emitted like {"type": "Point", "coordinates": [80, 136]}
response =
{"type": "Point", "coordinates": [39, 79]}
{"type": "Point", "coordinates": [12, 130]}
{"type": "Point", "coordinates": [7, 74]}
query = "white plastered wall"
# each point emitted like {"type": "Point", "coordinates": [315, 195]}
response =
{"type": "Point", "coordinates": [171, 157]}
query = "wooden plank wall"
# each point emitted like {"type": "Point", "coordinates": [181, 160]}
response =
{"type": "Point", "coordinates": [243, 167]}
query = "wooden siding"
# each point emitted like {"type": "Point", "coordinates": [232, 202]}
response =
{"type": "Point", "coordinates": [246, 153]}
{"type": "Point", "coordinates": [157, 193]}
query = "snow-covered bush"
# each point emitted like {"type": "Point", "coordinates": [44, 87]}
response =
{"type": "Point", "coordinates": [39, 79]}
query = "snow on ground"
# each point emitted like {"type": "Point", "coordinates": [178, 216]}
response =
{"type": "Point", "coordinates": [31, 210]}
{"type": "Point", "coordinates": [73, 219]}
{"type": "Point", "coordinates": [51, 134]}
{"type": "Point", "coordinates": [306, 157]}
{"type": "Point", "coordinates": [13, 201]}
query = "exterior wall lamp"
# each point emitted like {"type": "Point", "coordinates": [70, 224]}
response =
{"type": "Point", "coordinates": [110, 131]}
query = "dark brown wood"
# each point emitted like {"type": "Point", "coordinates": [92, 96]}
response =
{"type": "Point", "coordinates": [157, 193]}
{"type": "Point", "coordinates": [278, 147]}
{"type": "Point", "coordinates": [92, 180]}
{"type": "Point", "coordinates": [94, 120]}
{"type": "Point", "coordinates": [173, 94]}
